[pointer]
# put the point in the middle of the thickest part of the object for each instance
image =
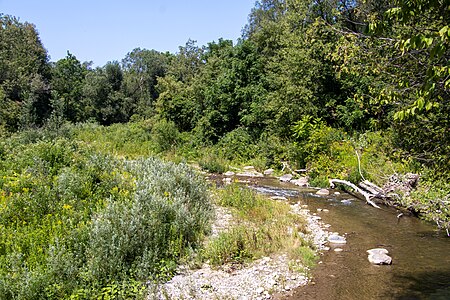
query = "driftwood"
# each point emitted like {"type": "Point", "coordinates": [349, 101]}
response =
{"type": "Point", "coordinates": [367, 195]}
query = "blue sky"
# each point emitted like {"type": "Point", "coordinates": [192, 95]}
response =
{"type": "Point", "coordinates": [102, 31]}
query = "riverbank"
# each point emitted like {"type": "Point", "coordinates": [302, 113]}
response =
{"type": "Point", "coordinates": [275, 275]}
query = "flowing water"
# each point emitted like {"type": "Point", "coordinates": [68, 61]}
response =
{"type": "Point", "coordinates": [420, 254]}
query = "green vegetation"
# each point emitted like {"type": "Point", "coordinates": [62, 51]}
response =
{"type": "Point", "coordinates": [312, 83]}
{"type": "Point", "coordinates": [261, 227]}
{"type": "Point", "coordinates": [81, 224]}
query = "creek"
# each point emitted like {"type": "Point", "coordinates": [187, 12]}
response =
{"type": "Point", "coordinates": [420, 254]}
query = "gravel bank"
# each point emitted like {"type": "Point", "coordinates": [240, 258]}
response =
{"type": "Point", "coordinates": [262, 279]}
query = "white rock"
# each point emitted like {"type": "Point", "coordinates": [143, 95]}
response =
{"type": "Point", "coordinates": [229, 173]}
{"type": "Point", "coordinates": [260, 290]}
{"type": "Point", "coordinates": [250, 174]}
{"type": "Point", "coordinates": [278, 198]}
{"type": "Point", "coordinates": [249, 168]}
{"type": "Point", "coordinates": [323, 192]}
{"type": "Point", "coordinates": [338, 250]}
{"type": "Point", "coordinates": [268, 172]}
{"type": "Point", "coordinates": [226, 180]}
{"type": "Point", "coordinates": [336, 239]}
{"type": "Point", "coordinates": [302, 181]}
{"type": "Point", "coordinates": [286, 178]}
{"type": "Point", "coordinates": [378, 256]}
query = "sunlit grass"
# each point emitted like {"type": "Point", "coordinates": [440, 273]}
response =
{"type": "Point", "coordinates": [261, 227]}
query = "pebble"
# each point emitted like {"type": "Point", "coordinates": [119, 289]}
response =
{"type": "Point", "coordinates": [252, 281]}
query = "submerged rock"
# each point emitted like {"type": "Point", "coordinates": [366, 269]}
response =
{"type": "Point", "coordinates": [378, 256]}
{"type": "Point", "coordinates": [323, 192]}
{"type": "Point", "coordinates": [337, 239]}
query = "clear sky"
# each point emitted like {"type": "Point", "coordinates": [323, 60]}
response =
{"type": "Point", "coordinates": [102, 31]}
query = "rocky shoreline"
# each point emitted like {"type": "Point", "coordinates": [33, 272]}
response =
{"type": "Point", "coordinates": [265, 278]}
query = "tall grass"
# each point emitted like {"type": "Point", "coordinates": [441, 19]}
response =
{"type": "Point", "coordinates": [262, 227]}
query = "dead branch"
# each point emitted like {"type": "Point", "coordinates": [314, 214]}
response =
{"type": "Point", "coordinates": [368, 196]}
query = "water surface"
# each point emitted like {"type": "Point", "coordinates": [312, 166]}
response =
{"type": "Point", "coordinates": [420, 253]}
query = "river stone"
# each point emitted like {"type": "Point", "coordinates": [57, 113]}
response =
{"type": "Point", "coordinates": [250, 174]}
{"type": "Point", "coordinates": [268, 172]}
{"type": "Point", "coordinates": [229, 173]}
{"type": "Point", "coordinates": [378, 256]}
{"type": "Point", "coordinates": [227, 180]}
{"type": "Point", "coordinates": [336, 239]}
{"type": "Point", "coordinates": [323, 192]}
{"type": "Point", "coordinates": [286, 178]}
{"type": "Point", "coordinates": [278, 198]}
{"type": "Point", "coordinates": [302, 181]}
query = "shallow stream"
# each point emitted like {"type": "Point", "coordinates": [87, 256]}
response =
{"type": "Point", "coordinates": [420, 253]}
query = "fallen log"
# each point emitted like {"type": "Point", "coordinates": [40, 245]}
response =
{"type": "Point", "coordinates": [368, 196]}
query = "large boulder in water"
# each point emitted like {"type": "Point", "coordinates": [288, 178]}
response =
{"type": "Point", "coordinates": [378, 256]}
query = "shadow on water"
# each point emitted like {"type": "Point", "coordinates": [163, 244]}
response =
{"type": "Point", "coordinates": [421, 255]}
{"type": "Point", "coordinates": [424, 285]}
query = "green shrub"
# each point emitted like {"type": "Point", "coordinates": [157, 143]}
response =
{"type": "Point", "coordinates": [212, 162]}
{"type": "Point", "coordinates": [237, 145]}
{"type": "Point", "coordinates": [165, 135]}
{"type": "Point", "coordinates": [81, 223]}
{"type": "Point", "coordinates": [432, 202]}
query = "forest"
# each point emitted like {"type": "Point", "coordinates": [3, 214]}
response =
{"type": "Point", "coordinates": [344, 89]}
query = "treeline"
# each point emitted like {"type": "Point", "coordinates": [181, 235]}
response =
{"type": "Point", "coordinates": [356, 66]}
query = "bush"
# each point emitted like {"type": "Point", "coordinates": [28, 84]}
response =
{"type": "Point", "coordinates": [77, 222]}
{"type": "Point", "coordinates": [170, 212]}
{"type": "Point", "coordinates": [237, 145]}
{"type": "Point", "coordinates": [165, 135]}
{"type": "Point", "coordinates": [212, 162]}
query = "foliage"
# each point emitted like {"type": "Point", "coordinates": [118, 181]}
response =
{"type": "Point", "coordinates": [24, 75]}
{"type": "Point", "coordinates": [77, 223]}
{"type": "Point", "coordinates": [263, 226]}
{"type": "Point", "coordinates": [431, 201]}
{"type": "Point", "coordinates": [309, 83]}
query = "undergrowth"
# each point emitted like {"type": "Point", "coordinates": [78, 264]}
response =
{"type": "Point", "coordinates": [77, 223]}
{"type": "Point", "coordinates": [262, 227]}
